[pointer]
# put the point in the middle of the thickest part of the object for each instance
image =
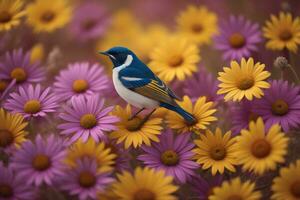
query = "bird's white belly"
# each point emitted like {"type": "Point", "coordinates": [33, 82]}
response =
{"type": "Point", "coordinates": [131, 97]}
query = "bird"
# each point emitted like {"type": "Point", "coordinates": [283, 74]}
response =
{"type": "Point", "coordinates": [139, 86]}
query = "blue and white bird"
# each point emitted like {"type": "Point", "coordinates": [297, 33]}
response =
{"type": "Point", "coordinates": [139, 86]}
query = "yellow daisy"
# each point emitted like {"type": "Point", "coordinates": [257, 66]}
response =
{"type": "Point", "coordinates": [235, 189]}
{"type": "Point", "coordinates": [283, 32]}
{"type": "Point", "coordinates": [258, 151]}
{"type": "Point", "coordinates": [133, 132]}
{"type": "Point", "coordinates": [99, 152]}
{"type": "Point", "coordinates": [144, 184]}
{"type": "Point", "coordinates": [243, 80]}
{"type": "Point", "coordinates": [287, 185]}
{"type": "Point", "coordinates": [175, 58]}
{"type": "Point", "coordinates": [202, 111]}
{"type": "Point", "coordinates": [12, 131]}
{"type": "Point", "coordinates": [10, 13]}
{"type": "Point", "coordinates": [37, 53]}
{"type": "Point", "coordinates": [216, 151]}
{"type": "Point", "coordinates": [197, 24]}
{"type": "Point", "coordinates": [48, 16]}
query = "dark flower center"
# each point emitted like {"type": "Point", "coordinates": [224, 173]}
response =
{"type": "Point", "coordinates": [41, 162]}
{"type": "Point", "coordinates": [253, 117]}
{"type": "Point", "coordinates": [6, 191]}
{"type": "Point", "coordinates": [285, 35]}
{"type": "Point", "coordinates": [197, 28]}
{"type": "Point", "coordinates": [87, 179]}
{"type": "Point", "coordinates": [169, 158]}
{"type": "Point", "coordinates": [234, 197]}
{"type": "Point", "coordinates": [19, 74]}
{"type": "Point", "coordinates": [218, 152]}
{"type": "Point", "coordinates": [88, 121]}
{"type": "Point", "coordinates": [32, 106]}
{"type": "Point", "coordinates": [295, 189]}
{"type": "Point", "coordinates": [237, 40]}
{"type": "Point", "coordinates": [48, 16]}
{"type": "Point", "coordinates": [176, 61]}
{"type": "Point", "coordinates": [80, 85]}
{"type": "Point", "coordinates": [6, 138]}
{"type": "Point", "coordinates": [134, 124]}
{"type": "Point", "coordinates": [5, 16]}
{"type": "Point", "coordinates": [89, 24]}
{"type": "Point", "coordinates": [144, 194]}
{"type": "Point", "coordinates": [245, 83]}
{"type": "Point", "coordinates": [261, 148]}
{"type": "Point", "coordinates": [280, 107]}
{"type": "Point", "coordinates": [3, 85]}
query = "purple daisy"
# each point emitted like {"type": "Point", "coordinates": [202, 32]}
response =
{"type": "Point", "coordinates": [32, 101]}
{"type": "Point", "coordinates": [280, 104]}
{"type": "Point", "coordinates": [40, 161]}
{"type": "Point", "coordinates": [238, 38]}
{"type": "Point", "coordinates": [202, 84]}
{"type": "Point", "coordinates": [16, 65]}
{"type": "Point", "coordinates": [80, 79]}
{"type": "Point", "coordinates": [84, 180]}
{"type": "Point", "coordinates": [89, 21]}
{"type": "Point", "coordinates": [174, 156]}
{"type": "Point", "coordinates": [86, 117]}
{"type": "Point", "coordinates": [12, 186]}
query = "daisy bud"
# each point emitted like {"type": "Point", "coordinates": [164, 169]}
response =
{"type": "Point", "coordinates": [281, 63]}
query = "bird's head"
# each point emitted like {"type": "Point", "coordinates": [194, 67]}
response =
{"type": "Point", "coordinates": [118, 55]}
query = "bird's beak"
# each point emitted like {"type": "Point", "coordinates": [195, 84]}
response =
{"type": "Point", "coordinates": [106, 54]}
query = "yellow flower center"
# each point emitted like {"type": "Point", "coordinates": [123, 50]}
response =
{"type": "Point", "coordinates": [144, 194]}
{"type": "Point", "coordinates": [5, 16]}
{"type": "Point", "coordinates": [197, 28]}
{"type": "Point", "coordinates": [134, 124]}
{"type": "Point", "coordinates": [285, 35]}
{"type": "Point", "coordinates": [88, 121]}
{"type": "Point", "coordinates": [261, 148]}
{"type": "Point", "coordinates": [6, 191]}
{"type": "Point", "coordinates": [237, 40]}
{"type": "Point", "coordinates": [48, 16]}
{"type": "Point", "coordinates": [87, 179]}
{"type": "Point", "coordinates": [218, 152]}
{"type": "Point", "coordinates": [19, 74]}
{"type": "Point", "coordinates": [234, 197]}
{"type": "Point", "coordinates": [3, 85]}
{"type": "Point", "coordinates": [89, 24]}
{"type": "Point", "coordinates": [169, 158]}
{"type": "Point", "coordinates": [6, 138]}
{"type": "Point", "coordinates": [32, 106]}
{"type": "Point", "coordinates": [245, 83]}
{"type": "Point", "coordinates": [295, 189]}
{"type": "Point", "coordinates": [280, 107]}
{"type": "Point", "coordinates": [80, 85]}
{"type": "Point", "coordinates": [176, 61]}
{"type": "Point", "coordinates": [41, 162]}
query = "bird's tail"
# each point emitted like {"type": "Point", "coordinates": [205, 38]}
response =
{"type": "Point", "coordinates": [186, 115]}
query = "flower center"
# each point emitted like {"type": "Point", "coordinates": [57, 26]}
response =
{"type": "Point", "coordinates": [88, 121]}
{"type": "Point", "coordinates": [80, 85]}
{"type": "Point", "coordinates": [245, 83]}
{"type": "Point", "coordinates": [280, 107]}
{"type": "Point", "coordinates": [234, 197]}
{"type": "Point", "coordinates": [169, 158]}
{"type": "Point", "coordinates": [47, 16]}
{"type": "Point", "coordinates": [6, 138]}
{"type": "Point", "coordinates": [144, 194]}
{"type": "Point", "coordinates": [218, 152]}
{"type": "Point", "coordinates": [6, 191]}
{"type": "Point", "coordinates": [89, 24]}
{"type": "Point", "coordinates": [19, 74]}
{"type": "Point", "coordinates": [285, 35]}
{"type": "Point", "coordinates": [261, 148]}
{"type": "Point", "coordinates": [32, 106]}
{"type": "Point", "coordinates": [87, 179]}
{"type": "Point", "coordinates": [3, 85]}
{"type": "Point", "coordinates": [197, 28]}
{"type": "Point", "coordinates": [295, 189]}
{"type": "Point", "coordinates": [237, 40]}
{"type": "Point", "coordinates": [5, 17]}
{"type": "Point", "coordinates": [133, 124]}
{"type": "Point", "coordinates": [41, 162]}
{"type": "Point", "coordinates": [176, 61]}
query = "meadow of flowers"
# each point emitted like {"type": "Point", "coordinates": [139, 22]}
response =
{"type": "Point", "coordinates": [66, 134]}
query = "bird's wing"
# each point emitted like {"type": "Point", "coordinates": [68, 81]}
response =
{"type": "Point", "coordinates": [135, 80]}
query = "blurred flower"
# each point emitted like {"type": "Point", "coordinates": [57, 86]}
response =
{"type": "Point", "coordinates": [5, 87]}
{"type": "Point", "coordinates": [237, 189]}
{"type": "Point", "coordinates": [32, 101]}
{"type": "Point", "coordinates": [238, 38]}
{"type": "Point", "coordinates": [216, 151]}
{"type": "Point", "coordinates": [283, 32]}
{"type": "Point", "coordinates": [171, 155]}
{"type": "Point", "coordinates": [122, 156]}
{"type": "Point", "coordinates": [40, 161]}
{"type": "Point", "coordinates": [12, 132]}
{"type": "Point", "coordinates": [135, 132]}
{"type": "Point", "coordinates": [86, 117]}
{"type": "Point", "coordinates": [281, 104]}
{"type": "Point", "coordinates": [80, 79]}
{"type": "Point", "coordinates": [258, 151]}
{"type": "Point", "coordinates": [202, 84]}
{"type": "Point", "coordinates": [191, 24]}
{"type": "Point", "coordinates": [281, 63]}
{"type": "Point", "coordinates": [144, 184]}
{"type": "Point", "coordinates": [16, 65]}
{"type": "Point", "coordinates": [10, 14]}
{"type": "Point", "coordinates": [287, 184]}
{"type": "Point", "coordinates": [37, 53]}
{"type": "Point", "coordinates": [84, 180]}
{"type": "Point", "coordinates": [47, 16]}
{"type": "Point", "coordinates": [243, 80]}
{"type": "Point", "coordinates": [12, 186]}
{"type": "Point", "coordinates": [97, 151]}
{"type": "Point", "coordinates": [174, 58]}
{"type": "Point", "coordinates": [201, 110]}
{"type": "Point", "coordinates": [90, 21]}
